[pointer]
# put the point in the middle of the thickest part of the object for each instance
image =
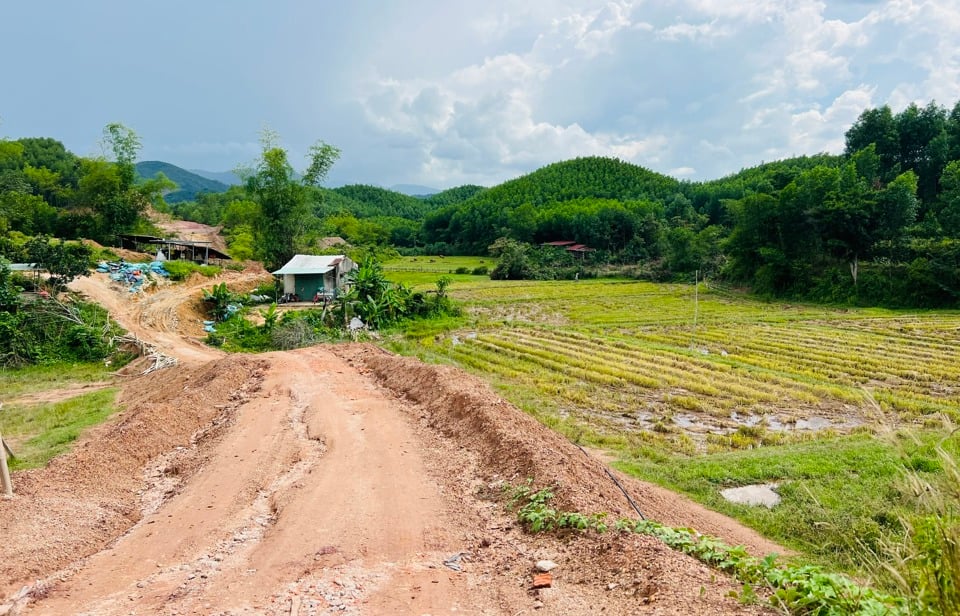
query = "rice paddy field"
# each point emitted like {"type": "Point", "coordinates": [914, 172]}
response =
{"type": "Point", "coordinates": [700, 388]}
{"type": "Point", "coordinates": [705, 363]}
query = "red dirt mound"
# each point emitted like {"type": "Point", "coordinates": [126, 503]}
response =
{"type": "Point", "coordinates": [517, 447]}
{"type": "Point", "coordinates": [95, 489]}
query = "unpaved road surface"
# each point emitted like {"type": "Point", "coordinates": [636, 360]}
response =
{"type": "Point", "coordinates": [328, 480]}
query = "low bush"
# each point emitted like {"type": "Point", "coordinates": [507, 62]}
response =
{"type": "Point", "coordinates": [181, 270]}
{"type": "Point", "coordinates": [794, 589]}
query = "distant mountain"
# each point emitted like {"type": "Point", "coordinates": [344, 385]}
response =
{"type": "Point", "coordinates": [414, 190]}
{"type": "Point", "coordinates": [188, 184]}
{"type": "Point", "coordinates": [227, 177]}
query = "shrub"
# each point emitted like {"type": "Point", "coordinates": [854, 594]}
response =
{"type": "Point", "coordinates": [925, 564]}
{"type": "Point", "coordinates": [181, 270]}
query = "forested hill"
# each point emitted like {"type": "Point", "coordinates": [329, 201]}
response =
{"type": "Point", "coordinates": [452, 196]}
{"type": "Point", "coordinates": [593, 200]}
{"type": "Point", "coordinates": [189, 184]}
{"type": "Point", "coordinates": [366, 201]}
{"type": "Point", "coordinates": [713, 197]}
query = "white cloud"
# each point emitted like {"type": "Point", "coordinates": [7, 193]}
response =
{"type": "Point", "coordinates": [440, 93]}
{"type": "Point", "coordinates": [694, 32]}
{"type": "Point", "coordinates": [814, 131]}
{"type": "Point", "coordinates": [484, 116]}
{"type": "Point", "coordinates": [695, 88]}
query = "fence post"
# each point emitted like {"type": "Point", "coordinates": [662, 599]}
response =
{"type": "Point", "coordinates": [5, 485]}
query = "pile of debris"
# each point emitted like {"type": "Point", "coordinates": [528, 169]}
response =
{"type": "Point", "coordinates": [132, 274]}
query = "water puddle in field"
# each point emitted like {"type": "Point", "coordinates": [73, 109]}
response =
{"type": "Point", "coordinates": [455, 339]}
{"type": "Point", "coordinates": [813, 423]}
{"type": "Point", "coordinates": [700, 426]}
{"type": "Point", "coordinates": [763, 494]}
{"type": "Point", "coordinates": [746, 420]}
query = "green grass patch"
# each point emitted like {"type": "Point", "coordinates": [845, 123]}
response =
{"type": "Point", "coordinates": [426, 281]}
{"type": "Point", "coordinates": [839, 496]}
{"type": "Point", "coordinates": [421, 273]}
{"type": "Point", "coordinates": [39, 433]}
{"type": "Point", "coordinates": [15, 382]}
{"type": "Point", "coordinates": [428, 328]}
{"type": "Point", "coordinates": [439, 265]}
{"type": "Point", "coordinates": [181, 270]}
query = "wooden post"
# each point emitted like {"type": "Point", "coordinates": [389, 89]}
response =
{"type": "Point", "coordinates": [5, 485]}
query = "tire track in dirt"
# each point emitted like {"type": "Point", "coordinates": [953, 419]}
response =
{"type": "Point", "coordinates": [168, 316]}
{"type": "Point", "coordinates": [310, 467]}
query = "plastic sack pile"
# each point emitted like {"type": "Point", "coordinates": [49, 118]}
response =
{"type": "Point", "coordinates": [232, 309]}
{"type": "Point", "coordinates": [132, 274]}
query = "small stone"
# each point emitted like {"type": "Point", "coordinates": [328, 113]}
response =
{"type": "Point", "coordinates": [546, 565]}
{"type": "Point", "coordinates": [537, 605]}
{"type": "Point", "coordinates": [612, 586]}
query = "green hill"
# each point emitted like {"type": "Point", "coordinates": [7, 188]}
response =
{"type": "Point", "coordinates": [549, 202]}
{"type": "Point", "coordinates": [188, 184]}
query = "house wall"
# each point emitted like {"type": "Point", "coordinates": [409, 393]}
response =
{"type": "Point", "coordinates": [340, 272]}
{"type": "Point", "coordinates": [307, 285]}
{"type": "Point", "coordinates": [289, 283]}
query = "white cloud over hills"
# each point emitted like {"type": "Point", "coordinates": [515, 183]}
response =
{"type": "Point", "coordinates": [454, 92]}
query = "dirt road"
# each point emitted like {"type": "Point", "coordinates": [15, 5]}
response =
{"type": "Point", "coordinates": [329, 480]}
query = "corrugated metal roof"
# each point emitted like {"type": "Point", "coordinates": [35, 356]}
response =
{"type": "Point", "coordinates": [310, 264]}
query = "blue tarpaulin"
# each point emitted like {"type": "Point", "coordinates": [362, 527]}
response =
{"type": "Point", "coordinates": [132, 274]}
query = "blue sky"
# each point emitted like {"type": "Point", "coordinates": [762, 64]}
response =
{"type": "Point", "coordinates": [448, 92]}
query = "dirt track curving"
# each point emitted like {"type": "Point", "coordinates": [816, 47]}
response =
{"type": "Point", "coordinates": [328, 480]}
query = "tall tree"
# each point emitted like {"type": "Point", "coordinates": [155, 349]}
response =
{"type": "Point", "coordinates": [897, 207]}
{"type": "Point", "coordinates": [124, 144]}
{"type": "Point", "coordinates": [948, 207]}
{"type": "Point", "coordinates": [284, 209]}
{"type": "Point", "coordinates": [924, 145]}
{"type": "Point", "coordinates": [879, 127]}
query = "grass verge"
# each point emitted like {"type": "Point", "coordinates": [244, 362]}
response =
{"type": "Point", "coordinates": [15, 382]}
{"type": "Point", "coordinates": [38, 433]}
{"type": "Point", "coordinates": [839, 496]}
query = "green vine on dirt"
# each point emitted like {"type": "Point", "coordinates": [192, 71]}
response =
{"type": "Point", "coordinates": [802, 590]}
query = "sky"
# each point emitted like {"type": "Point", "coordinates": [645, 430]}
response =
{"type": "Point", "coordinates": [448, 92]}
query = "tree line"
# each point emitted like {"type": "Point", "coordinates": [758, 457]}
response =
{"type": "Point", "coordinates": [45, 189]}
{"type": "Point", "coordinates": [878, 224]}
